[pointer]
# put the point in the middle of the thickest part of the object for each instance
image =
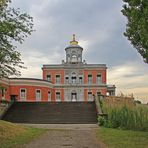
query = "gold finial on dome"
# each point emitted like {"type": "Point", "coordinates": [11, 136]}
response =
{"type": "Point", "coordinates": [74, 37]}
{"type": "Point", "coordinates": [74, 42]}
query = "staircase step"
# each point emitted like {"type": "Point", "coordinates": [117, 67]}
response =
{"type": "Point", "coordinates": [48, 112]}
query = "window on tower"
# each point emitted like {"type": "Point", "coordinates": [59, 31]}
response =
{"type": "Point", "coordinates": [74, 59]}
{"type": "Point", "coordinates": [68, 57]}
{"type": "Point", "coordinates": [79, 58]}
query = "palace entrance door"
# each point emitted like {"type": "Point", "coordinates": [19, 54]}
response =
{"type": "Point", "coordinates": [73, 96]}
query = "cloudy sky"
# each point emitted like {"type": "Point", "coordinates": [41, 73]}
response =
{"type": "Point", "coordinates": [99, 27]}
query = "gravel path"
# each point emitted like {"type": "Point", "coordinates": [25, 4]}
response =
{"type": "Point", "coordinates": [66, 136]}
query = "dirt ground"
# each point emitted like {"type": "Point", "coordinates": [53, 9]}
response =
{"type": "Point", "coordinates": [66, 136]}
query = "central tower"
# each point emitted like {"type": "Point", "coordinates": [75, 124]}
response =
{"type": "Point", "coordinates": [74, 52]}
{"type": "Point", "coordinates": [74, 79]}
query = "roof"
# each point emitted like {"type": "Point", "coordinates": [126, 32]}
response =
{"type": "Point", "coordinates": [73, 46]}
{"type": "Point", "coordinates": [74, 66]}
{"type": "Point", "coordinates": [30, 79]}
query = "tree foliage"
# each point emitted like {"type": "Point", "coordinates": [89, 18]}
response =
{"type": "Point", "coordinates": [14, 27]}
{"type": "Point", "coordinates": [136, 12]}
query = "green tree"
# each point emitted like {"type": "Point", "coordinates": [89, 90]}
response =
{"type": "Point", "coordinates": [136, 12]}
{"type": "Point", "coordinates": [14, 27]}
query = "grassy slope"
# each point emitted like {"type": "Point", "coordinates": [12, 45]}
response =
{"type": "Point", "coordinates": [12, 135]}
{"type": "Point", "coordinates": [115, 138]}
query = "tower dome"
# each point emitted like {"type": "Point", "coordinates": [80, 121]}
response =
{"type": "Point", "coordinates": [73, 52]}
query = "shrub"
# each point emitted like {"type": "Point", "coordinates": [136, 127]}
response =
{"type": "Point", "coordinates": [4, 101]}
{"type": "Point", "coordinates": [125, 116]}
{"type": "Point", "coordinates": [101, 120]}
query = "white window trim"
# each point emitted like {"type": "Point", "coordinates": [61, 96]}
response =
{"type": "Point", "coordinates": [74, 81]}
{"type": "Point", "coordinates": [23, 99]}
{"type": "Point", "coordinates": [74, 99]}
{"type": "Point", "coordinates": [49, 99]}
{"type": "Point", "coordinates": [57, 100]}
{"type": "Point", "coordinates": [56, 79]}
{"type": "Point", "coordinates": [50, 77]}
{"type": "Point", "coordinates": [38, 99]}
{"type": "Point", "coordinates": [91, 79]}
{"type": "Point", "coordinates": [90, 99]}
{"type": "Point", "coordinates": [99, 91]}
{"type": "Point", "coordinates": [82, 79]}
{"type": "Point", "coordinates": [74, 58]}
{"type": "Point", "coordinates": [66, 82]}
{"type": "Point", "coordinates": [99, 82]}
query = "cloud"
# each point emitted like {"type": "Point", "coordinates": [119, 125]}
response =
{"type": "Point", "coordinates": [34, 61]}
{"type": "Point", "coordinates": [130, 79]}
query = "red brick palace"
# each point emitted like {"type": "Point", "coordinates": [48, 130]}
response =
{"type": "Point", "coordinates": [73, 80]}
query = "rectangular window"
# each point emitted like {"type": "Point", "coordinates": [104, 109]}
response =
{"type": "Point", "coordinates": [98, 93]}
{"type": "Point", "coordinates": [49, 96]}
{"type": "Point", "coordinates": [58, 96]}
{"type": "Point", "coordinates": [38, 95]}
{"type": "Point", "coordinates": [89, 79]}
{"type": "Point", "coordinates": [98, 79]}
{"type": "Point", "coordinates": [48, 77]}
{"type": "Point", "coordinates": [80, 80]}
{"type": "Point", "coordinates": [23, 94]}
{"type": "Point", "coordinates": [58, 79]}
{"type": "Point", "coordinates": [90, 97]}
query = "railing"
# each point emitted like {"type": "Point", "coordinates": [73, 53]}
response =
{"type": "Point", "coordinates": [98, 102]}
{"type": "Point", "coordinates": [5, 105]}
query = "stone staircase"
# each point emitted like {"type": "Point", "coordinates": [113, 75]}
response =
{"type": "Point", "coordinates": [4, 106]}
{"type": "Point", "coordinates": [52, 113]}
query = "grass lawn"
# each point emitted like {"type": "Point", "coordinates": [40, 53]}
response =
{"type": "Point", "coordinates": [115, 138]}
{"type": "Point", "coordinates": [14, 136]}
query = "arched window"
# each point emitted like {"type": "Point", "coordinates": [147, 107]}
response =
{"type": "Point", "coordinates": [67, 79]}
{"type": "Point", "coordinates": [79, 58]}
{"type": "Point", "coordinates": [73, 95]}
{"type": "Point", "coordinates": [68, 57]}
{"type": "Point", "coordinates": [73, 52]}
{"type": "Point", "coordinates": [73, 74]}
{"type": "Point", "coordinates": [49, 96]}
{"type": "Point", "coordinates": [73, 78]}
{"type": "Point", "coordinates": [74, 58]}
